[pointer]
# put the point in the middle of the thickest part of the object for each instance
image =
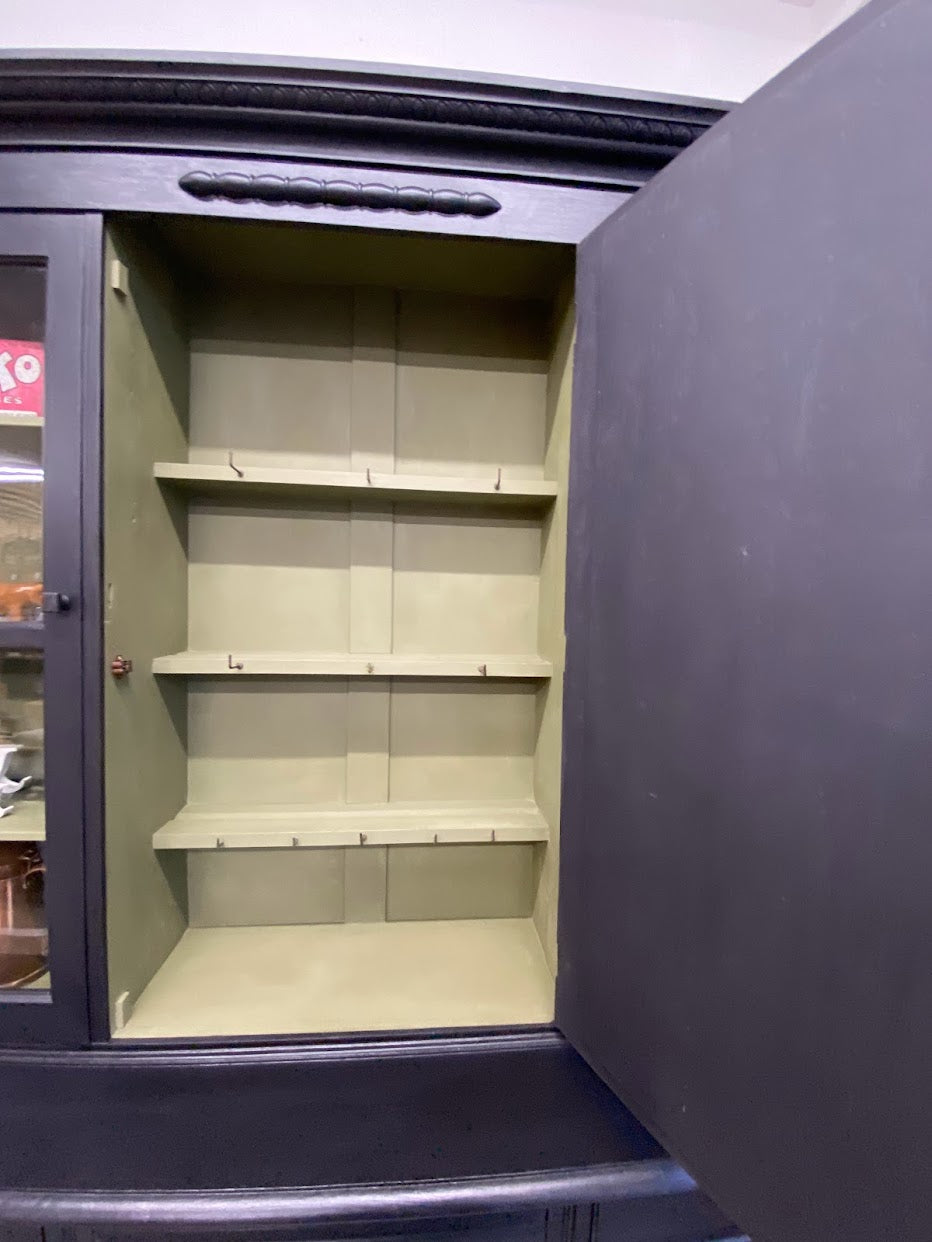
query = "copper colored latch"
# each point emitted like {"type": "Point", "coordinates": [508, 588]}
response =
{"type": "Point", "coordinates": [120, 666]}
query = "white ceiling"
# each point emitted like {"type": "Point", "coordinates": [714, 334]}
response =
{"type": "Point", "coordinates": [716, 48]}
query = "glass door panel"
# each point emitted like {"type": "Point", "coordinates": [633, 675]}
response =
{"type": "Point", "coordinates": [24, 938]}
{"type": "Point", "coordinates": [47, 358]}
{"type": "Point", "coordinates": [23, 924]}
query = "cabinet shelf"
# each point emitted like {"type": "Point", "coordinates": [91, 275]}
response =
{"type": "Point", "coordinates": [210, 826]}
{"type": "Point", "coordinates": [339, 664]}
{"type": "Point", "coordinates": [217, 981]}
{"type": "Point", "coordinates": [21, 420]}
{"type": "Point", "coordinates": [346, 484]}
{"type": "Point", "coordinates": [27, 823]}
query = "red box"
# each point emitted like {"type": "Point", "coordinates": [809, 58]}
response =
{"type": "Point", "coordinates": [22, 377]}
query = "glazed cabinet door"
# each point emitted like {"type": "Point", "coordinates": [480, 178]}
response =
{"type": "Point", "coordinates": [746, 919]}
{"type": "Point", "coordinates": [46, 266]}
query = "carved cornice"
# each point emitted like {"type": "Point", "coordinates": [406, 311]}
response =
{"type": "Point", "coordinates": [315, 111]}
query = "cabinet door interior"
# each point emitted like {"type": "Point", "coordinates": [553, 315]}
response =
{"type": "Point", "coordinates": [335, 496]}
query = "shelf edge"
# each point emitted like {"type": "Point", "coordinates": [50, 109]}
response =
{"type": "Point", "coordinates": [329, 483]}
{"type": "Point", "coordinates": [285, 664]}
{"type": "Point", "coordinates": [306, 828]}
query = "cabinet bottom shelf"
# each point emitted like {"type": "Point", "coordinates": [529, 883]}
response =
{"type": "Point", "coordinates": [325, 978]}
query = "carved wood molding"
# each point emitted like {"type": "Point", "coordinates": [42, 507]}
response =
{"type": "Point", "coordinates": [312, 111]}
{"type": "Point", "coordinates": [309, 192]}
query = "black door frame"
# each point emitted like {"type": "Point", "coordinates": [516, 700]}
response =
{"type": "Point", "coordinates": [69, 249]}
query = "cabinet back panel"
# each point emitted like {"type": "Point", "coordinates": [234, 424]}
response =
{"type": "Point", "coordinates": [257, 888]}
{"type": "Point", "coordinates": [267, 741]}
{"type": "Point", "coordinates": [270, 741]}
{"type": "Point", "coordinates": [472, 385]}
{"type": "Point", "coordinates": [465, 583]}
{"type": "Point", "coordinates": [271, 375]}
{"type": "Point", "coordinates": [268, 578]}
{"type": "Point", "coordinates": [460, 881]}
{"type": "Point", "coordinates": [265, 888]}
{"type": "Point", "coordinates": [468, 742]}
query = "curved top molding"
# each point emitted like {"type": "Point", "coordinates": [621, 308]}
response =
{"type": "Point", "coordinates": [402, 119]}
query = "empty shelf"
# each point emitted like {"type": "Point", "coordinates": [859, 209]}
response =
{"type": "Point", "coordinates": [339, 664]}
{"type": "Point", "coordinates": [330, 484]}
{"type": "Point", "coordinates": [26, 823]}
{"type": "Point", "coordinates": [346, 977]}
{"type": "Point", "coordinates": [208, 827]}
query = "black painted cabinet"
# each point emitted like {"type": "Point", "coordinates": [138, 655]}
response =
{"type": "Point", "coordinates": [742, 833]}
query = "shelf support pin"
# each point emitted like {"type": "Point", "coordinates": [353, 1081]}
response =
{"type": "Point", "coordinates": [362, 838]}
{"type": "Point", "coordinates": [230, 663]}
{"type": "Point", "coordinates": [493, 834]}
{"type": "Point", "coordinates": [236, 470]}
{"type": "Point", "coordinates": [498, 481]}
{"type": "Point", "coordinates": [436, 838]}
{"type": "Point", "coordinates": [220, 843]}
{"type": "Point", "coordinates": [484, 670]}
{"type": "Point", "coordinates": [370, 668]}
{"type": "Point", "coordinates": [369, 476]}
{"type": "Point", "coordinates": [294, 842]}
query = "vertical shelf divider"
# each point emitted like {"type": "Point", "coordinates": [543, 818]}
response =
{"type": "Point", "coordinates": [372, 447]}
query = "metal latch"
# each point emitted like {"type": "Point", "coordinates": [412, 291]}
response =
{"type": "Point", "coordinates": [55, 601]}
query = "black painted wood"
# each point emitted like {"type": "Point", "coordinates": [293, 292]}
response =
{"type": "Point", "coordinates": [68, 247]}
{"type": "Point", "coordinates": [284, 1138]}
{"type": "Point", "coordinates": [745, 912]}
{"type": "Point", "coordinates": [592, 1222]}
{"type": "Point", "coordinates": [165, 1119]}
{"type": "Point", "coordinates": [149, 182]}
{"type": "Point", "coordinates": [237, 187]}
{"type": "Point", "coordinates": [402, 118]}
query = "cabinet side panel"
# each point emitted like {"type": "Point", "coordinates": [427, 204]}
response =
{"type": "Point", "coordinates": [145, 575]}
{"type": "Point", "coordinates": [551, 628]}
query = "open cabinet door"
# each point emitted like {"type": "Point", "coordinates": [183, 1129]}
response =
{"type": "Point", "coordinates": [746, 918]}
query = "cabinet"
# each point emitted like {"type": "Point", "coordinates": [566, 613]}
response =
{"type": "Point", "coordinates": [365, 892]}
{"type": "Point", "coordinates": [333, 775]}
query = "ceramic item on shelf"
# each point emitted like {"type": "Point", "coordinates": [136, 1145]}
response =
{"type": "Point", "coordinates": [9, 787]}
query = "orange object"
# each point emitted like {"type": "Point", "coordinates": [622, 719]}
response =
{"type": "Point", "coordinates": [20, 601]}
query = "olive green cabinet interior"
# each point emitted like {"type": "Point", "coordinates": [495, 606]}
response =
{"type": "Point", "coordinates": [335, 469]}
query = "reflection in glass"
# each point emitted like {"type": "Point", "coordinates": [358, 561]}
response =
{"type": "Point", "coordinates": [22, 413]}
{"type": "Point", "coordinates": [23, 931]}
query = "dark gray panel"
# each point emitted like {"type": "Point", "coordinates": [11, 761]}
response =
{"type": "Point", "coordinates": [745, 901]}
{"type": "Point", "coordinates": [148, 182]}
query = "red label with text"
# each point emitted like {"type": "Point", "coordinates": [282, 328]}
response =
{"type": "Point", "coordinates": [22, 377]}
